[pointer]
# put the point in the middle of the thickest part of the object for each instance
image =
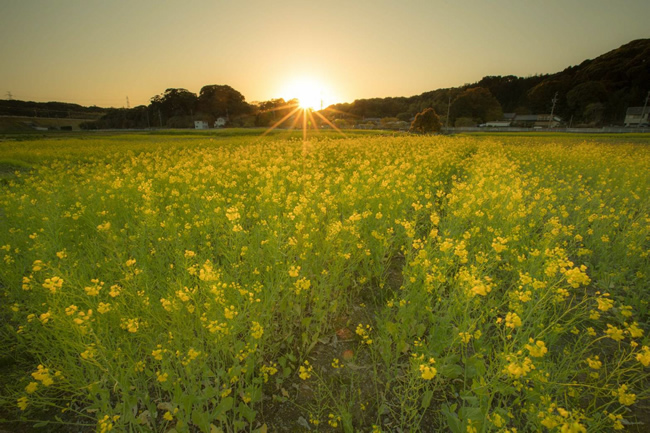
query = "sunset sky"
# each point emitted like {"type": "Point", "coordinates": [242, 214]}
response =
{"type": "Point", "coordinates": [99, 52]}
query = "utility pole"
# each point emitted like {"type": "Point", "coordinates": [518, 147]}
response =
{"type": "Point", "coordinates": [128, 105]}
{"type": "Point", "coordinates": [9, 95]}
{"type": "Point", "coordinates": [550, 121]}
{"type": "Point", "coordinates": [448, 107]}
{"type": "Point", "coordinates": [645, 104]}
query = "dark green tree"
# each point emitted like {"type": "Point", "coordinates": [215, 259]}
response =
{"type": "Point", "coordinates": [269, 112]}
{"type": "Point", "coordinates": [476, 103]}
{"type": "Point", "coordinates": [585, 94]}
{"type": "Point", "coordinates": [540, 97]}
{"type": "Point", "coordinates": [222, 101]}
{"type": "Point", "coordinates": [426, 122]}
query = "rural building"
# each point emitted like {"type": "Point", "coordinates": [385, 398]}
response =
{"type": "Point", "coordinates": [200, 124]}
{"type": "Point", "coordinates": [633, 116]}
{"type": "Point", "coordinates": [536, 121]}
{"type": "Point", "coordinates": [497, 123]}
{"type": "Point", "coordinates": [220, 122]}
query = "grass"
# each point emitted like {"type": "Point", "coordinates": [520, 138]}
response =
{"type": "Point", "coordinates": [223, 281]}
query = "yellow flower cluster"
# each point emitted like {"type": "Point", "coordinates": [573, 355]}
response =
{"type": "Point", "coordinates": [536, 350]}
{"type": "Point", "coordinates": [624, 397]}
{"type": "Point", "coordinates": [364, 333]}
{"type": "Point", "coordinates": [305, 371]}
{"type": "Point", "coordinates": [516, 368]}
{"type": "Point", "coordinates": [427, 370]}
{"type": "Point", "coordinates": [53, 284]}
{"type": "Point", "coordinates": [513, 320]}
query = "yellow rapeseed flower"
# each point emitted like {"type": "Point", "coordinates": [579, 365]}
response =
{"type": "Point", "coordinates": [22, 403]}
{"type": "Point", "coordinates": [614, 333]}
{"type": "Point", "coordinates": [538, 349]}
{"type": "Point", "coordinates": [305, 371]}
{"type": "Point", "coordinates": [623, 396]}
{"type": "Point", "coordinates": [513, 320]}
{"type": "Point", "coordinates": [644, 356]}
{"type": "Point", "coordinates": [31, 388]}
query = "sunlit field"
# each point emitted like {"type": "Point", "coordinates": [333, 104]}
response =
{"type": "Point", "coordinates": [364, 284]}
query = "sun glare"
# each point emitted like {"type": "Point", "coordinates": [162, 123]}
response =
{"type": "Point", "coordinates": [314, 101]}
{"type": "Point", "coordinates": [310, 94]}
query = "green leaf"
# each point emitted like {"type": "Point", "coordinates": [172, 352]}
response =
{"type": "Point", "coordinates": [426, 399]}
{"type": "Point", "coordinates": [453, 422]}
{"type": "Point", "coordinates": [200, 419]}
{"type": "Point", "coordinates": [224, 406]}
{"type": "Point", "coordinates": [262, 429]}
{"type": "Point", "coordinates": [248, 413]}
{"type": "Point", "coordinates": [451, 371]}
{"type": "Point", "coordinates": [475, 367]}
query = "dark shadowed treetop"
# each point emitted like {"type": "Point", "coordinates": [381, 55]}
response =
{"type": "Point", "coordinates": [222, 100]}
{"type": "Point", "coordinates": [175, 102]}
{"type": "Point", "coordinates": [476, 103]}
{"type": "Point", "coordinates": [426, 122]}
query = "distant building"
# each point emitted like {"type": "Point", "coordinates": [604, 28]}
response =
{"type": "Point", "coordinates": [633, 116]}
{"type": "Point", "coordinates": [200, 124]}
{"type": "Point", "coordinates": [497, 124]}
{"type": "Point", "coordinates": [504, 122]}
{"type": "Point", "coordinates": [220, 122]}
{"type": "Point", "coordinates": [536, 121]}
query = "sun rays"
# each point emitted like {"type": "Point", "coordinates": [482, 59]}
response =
{"type": "Point", "coordinates": [307, 109]}
{"type": "Point", "coordinates": [308, 105]}
{"type": "Point", "coordinates": [304, 117]}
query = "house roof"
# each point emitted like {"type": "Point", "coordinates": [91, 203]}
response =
{"type": "Point", "coordinates": [636, 111]}
{"type": "Point", "coordinates": [536, 118]}
{"type": "Point", "coordinates": [526, 117]}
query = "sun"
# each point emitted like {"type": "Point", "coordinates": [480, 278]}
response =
{"type": "Point", "coordinates": [310, 93]}
{"type": "Point", "coordinates": [314, 100]}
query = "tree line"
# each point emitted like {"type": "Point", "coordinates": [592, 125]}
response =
{"type": "Point", "coordinates": [597, 92]}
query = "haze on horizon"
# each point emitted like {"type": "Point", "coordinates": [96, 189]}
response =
{"type": "Point", "coordinates": [99, 52]}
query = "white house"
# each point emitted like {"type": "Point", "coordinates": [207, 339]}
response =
{"type": "Point", "coordinates": [536, 121]}
{"type": "Point", "coordinates": [497, 123]}
{"type": "Point", "coordinates": [200, 124]}
{"type": "Point", "coordinates": [633, 116]}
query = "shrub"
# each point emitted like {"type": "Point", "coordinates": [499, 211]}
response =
{"type": "Point", "coordinates": [426, 122]}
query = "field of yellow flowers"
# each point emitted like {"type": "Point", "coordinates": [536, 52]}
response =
{"type": "Point", "coordinates": [361, 284]}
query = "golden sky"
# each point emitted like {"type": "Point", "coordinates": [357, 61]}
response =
{"type": "Point", "coordinates": [99, 52]}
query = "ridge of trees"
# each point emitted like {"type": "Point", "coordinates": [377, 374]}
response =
{"type": "Point", "coordinates": [61, 110]}
{"type": "Point", "coordinates": [595, 92]}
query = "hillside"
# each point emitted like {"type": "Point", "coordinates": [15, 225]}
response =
{"type": "Point", "coordinates": [595, 92]}
{"type": "Point", "coordinates": [59, 110]}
